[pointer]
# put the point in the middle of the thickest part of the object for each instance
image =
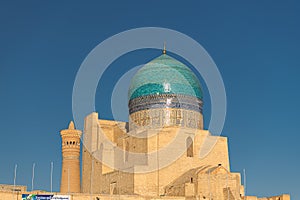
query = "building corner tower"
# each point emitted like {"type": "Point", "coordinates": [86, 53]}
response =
{"type": "Point", "coordinates": [70, 174]}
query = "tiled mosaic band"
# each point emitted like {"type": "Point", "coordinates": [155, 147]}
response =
{"type": "Point", "coordinates": [165, 101]}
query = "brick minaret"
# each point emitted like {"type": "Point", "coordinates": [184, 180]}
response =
{"type": "Point", "coordinates": [70, 174]}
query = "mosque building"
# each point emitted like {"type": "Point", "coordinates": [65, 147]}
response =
{"type": "Point", "coordinates": [158, 152]}
{"type": "Point", "coordinates": [163, 152]}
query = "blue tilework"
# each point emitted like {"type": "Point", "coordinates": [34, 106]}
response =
{"type": "Point", "coordinates": [164, 75]}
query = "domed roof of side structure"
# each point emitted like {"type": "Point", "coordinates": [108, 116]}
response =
{"type": "Point", "coordinates": [164, 75]}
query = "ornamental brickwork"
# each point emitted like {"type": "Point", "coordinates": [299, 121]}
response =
{"type": "Point", "coordinates": [70, 173]}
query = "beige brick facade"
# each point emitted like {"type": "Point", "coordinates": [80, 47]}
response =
{"type": "Point", "coordinates": [8, 195]}
{"type": "Point", "coordinates": [183, 175]}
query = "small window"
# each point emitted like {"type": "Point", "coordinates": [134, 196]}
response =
{"type": "Point", "coordinates": [189, 147]}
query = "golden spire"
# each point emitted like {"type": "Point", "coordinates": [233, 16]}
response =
{"type": "Point", "coordinates": [71, 125]}
{"type": "Point", "coordinates": [164, 50]}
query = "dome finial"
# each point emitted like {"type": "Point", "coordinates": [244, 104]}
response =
{"type": "Point", "coordinates": [164, 50]}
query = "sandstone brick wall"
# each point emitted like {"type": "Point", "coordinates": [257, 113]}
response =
{"type": "Point", "coordinates": [80, 196]}
{"type": "Point", "coordinates": [148, 183]}
{"type": "Point", "coordinates": [9, 188]}
{"type": "Point", "coordinates": [179, 174]}
{"type": "Point", "coordinates": [279, 197]}
{"type": "Point", "coordinates": [6, 195]}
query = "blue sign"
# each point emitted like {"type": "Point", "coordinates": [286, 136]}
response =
{"type": "Point", "coordinates": [44, 197]}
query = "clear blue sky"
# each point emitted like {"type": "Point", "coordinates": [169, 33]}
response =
{"type": "Point", "coordinates": [255, 45]}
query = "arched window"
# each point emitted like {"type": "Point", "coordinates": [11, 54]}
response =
{"type": "Point", "coordinates": [189, 147]}
{"type": "Point", "coordinates": [126, 151]}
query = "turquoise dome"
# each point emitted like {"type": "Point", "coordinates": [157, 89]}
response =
{"type": "Point", "coordinates": [164, 75]}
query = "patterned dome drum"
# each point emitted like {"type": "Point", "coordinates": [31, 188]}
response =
{"type": "Point", "coordinates": [160, 85]}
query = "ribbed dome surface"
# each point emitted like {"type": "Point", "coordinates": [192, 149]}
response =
{"type": "Point", "coordinates": [164, 75]}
